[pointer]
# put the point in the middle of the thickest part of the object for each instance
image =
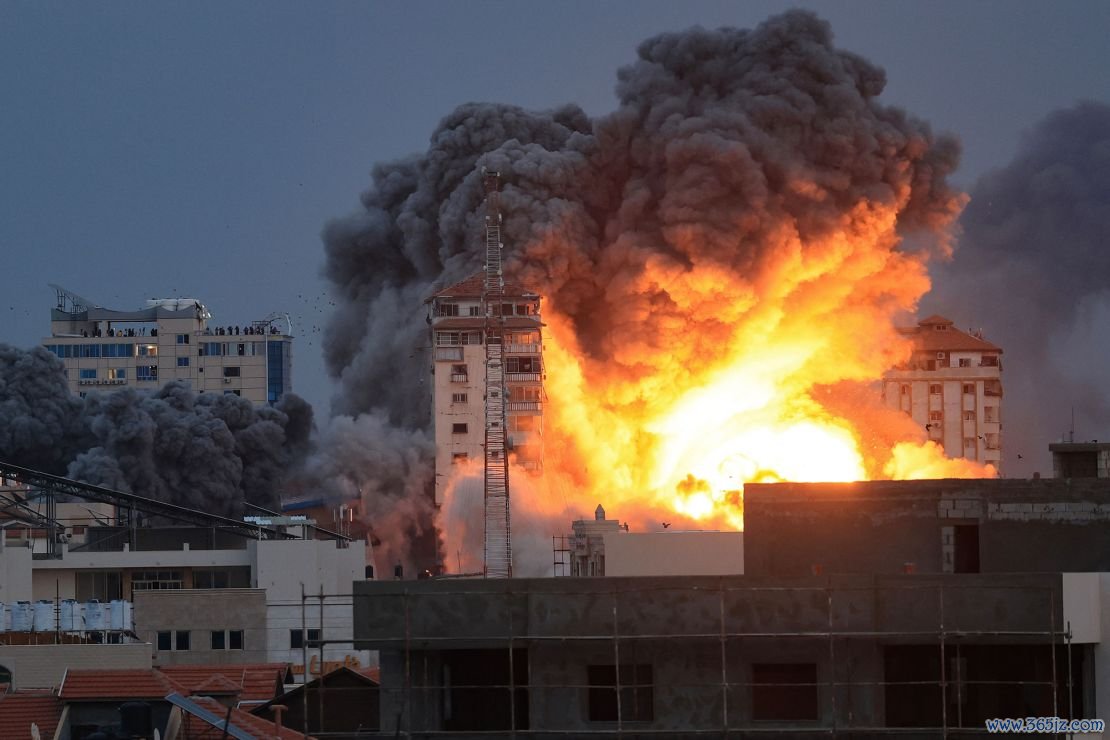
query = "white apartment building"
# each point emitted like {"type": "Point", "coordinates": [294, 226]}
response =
{"type": "Point", "coordinates": [458, 390]}
{"type": "Point", "coordinates": [952, 387]}
{"type": "Point", "coordinates": [170, 339]}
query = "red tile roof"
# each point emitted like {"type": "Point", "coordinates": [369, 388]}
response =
{"type": "Point", "coordinates": [472, 287]}
{"type": "Point", "coordinates": [938, 334]}
{"type": "Point", "coordinates": [107, 685]}
{"type": "Point", "coordinates": [197, 729]}
{"type": "Point", "coordinates": [257, 681]}
{"type": "Point", "coordinates": [19, 710]}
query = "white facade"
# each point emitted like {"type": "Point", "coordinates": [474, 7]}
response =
{"type": "Point", "coordinates": [458, 389]}
{"type": "Point", "coordinates": [173, 339]}
{"type": "Point", "coordinates": [276, 568]}
{"type": "Point", "coordinates": [952, 387]}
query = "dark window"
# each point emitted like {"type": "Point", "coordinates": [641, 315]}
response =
{"type": "Point", "coordinates": [784, 691]}
{"type": "Point", "coordinates": [231, 372]}
{"type": "Point", "coordinates": [165, 640]}
{"type": "Point", "coordinates": [297, 638]}
{"type": "Point", "coordinates": [182, 338]}
{"type": "Point", "coordinates": [182, 642]}
{"type": "Point", "coordinates": [183, 362]}
{"type": "Point", "coordinates": [636, 692]}
{"type": "Point", "coordinates": [458, 429]}
{"type": "Point", "coordinates": [235, 640]}
{"type": "Point", "coordinates": [966, 559]}
{"type": "Point", "coordinates": [5, 675]}
{"type": "Point", "coordinates": [219, 640]}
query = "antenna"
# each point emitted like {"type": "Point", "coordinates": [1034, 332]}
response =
{"type": "Point", "coordinates": [498, 549]}
{"type": "Point", "coordinates": [1071, 431]}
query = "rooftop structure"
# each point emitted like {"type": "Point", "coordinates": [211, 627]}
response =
{"type": "Point", "coordinates": [952, 387]}
{"type": "Point", "coordinates": [170, 339]}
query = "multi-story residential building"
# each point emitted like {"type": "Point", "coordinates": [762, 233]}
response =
{"type": "Point", "coordinates": [458, 325]}
{"type": "Point", "coordinates": [170, 339]}
{"type": "Point", "coordinates": [952, 387]}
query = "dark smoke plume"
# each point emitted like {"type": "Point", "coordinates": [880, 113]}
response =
{"type": "Point", "coordinates": [725, 144]}
{"type": "Point", "coordinates": [206, 451]}
{"type": "Point", "coordinates": [1033, 270]}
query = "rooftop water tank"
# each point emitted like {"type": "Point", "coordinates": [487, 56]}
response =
{"type": "Point", "coordinates": [44, 616]}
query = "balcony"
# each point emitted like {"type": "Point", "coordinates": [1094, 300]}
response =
{"type": "Point", "coordinates": [522, 377]}
{"type": "Point", "coordinates": [525, 405]}
{"type": "Point", "coordinates": [459, 377]}
{"type": "Point", "coordinates": [522, 349]}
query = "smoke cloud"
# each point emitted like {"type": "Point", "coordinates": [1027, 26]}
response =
{"type": "Point", "coordinates": [206, 451]}
{"type": "Point", "coordinates": [748, 184]}
{"type": "Point", "coordinates": [1033, 270]}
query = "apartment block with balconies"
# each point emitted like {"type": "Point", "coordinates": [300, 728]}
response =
{"type": "Point", "coordinates": [457, 318]}
{"type": "Point", "coordinates": [952, 387]}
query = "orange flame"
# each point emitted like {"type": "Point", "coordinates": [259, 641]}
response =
{"type": "Point", "coordinates": [739, 378]}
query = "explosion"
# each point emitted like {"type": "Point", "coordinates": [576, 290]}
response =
{"type": "Point", "coordinates": [723, 259]}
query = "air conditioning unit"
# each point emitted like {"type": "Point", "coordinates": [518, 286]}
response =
{"type": "Point", "coordinates": [227, 380]}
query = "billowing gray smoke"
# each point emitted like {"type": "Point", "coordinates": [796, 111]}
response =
{"type": "Point", "coordinates": [1033, 270]}
{"type": "Point", "coordinates": [207, 451]}
{"type": "Point", "coordinates": [721, 140]}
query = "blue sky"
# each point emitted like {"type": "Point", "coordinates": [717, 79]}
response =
{"type": "Point", "coordinates": [196, 149]}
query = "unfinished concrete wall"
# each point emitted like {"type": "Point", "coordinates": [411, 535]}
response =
{"type": "Point", "coordinates": [1046, 525]}
{"type": "Point", "coordinates": [700, 635]}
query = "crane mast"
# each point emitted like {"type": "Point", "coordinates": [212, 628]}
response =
{"type": "Point", "coordinates": [498, 550]}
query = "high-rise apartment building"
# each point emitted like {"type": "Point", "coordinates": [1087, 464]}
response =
{"type": "Point", "coordinates": [952, 386]}
{"type": "Point", "coordinates": [458, 328]}
{"type": "Point", "coordinates": [170, 339]}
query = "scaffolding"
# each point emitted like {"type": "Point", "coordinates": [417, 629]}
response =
{"type": "Point", "coordinates": [707, 668]}
{"type": "Point", "coordinates": [497, 550]}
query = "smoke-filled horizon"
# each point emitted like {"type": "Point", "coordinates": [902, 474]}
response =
{"type": "Point", "coordinates": [749, 187]}
{"type": "Point", "coordinates": [1033, 271]}
{"type": "Point", "coordinates": [204, 451]}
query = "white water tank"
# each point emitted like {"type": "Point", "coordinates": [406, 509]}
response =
{"type": "Point", "coordinates": [44, 616]}
{"type": "Point", "coordinates": [94, 615]}
{"type": "Point", "coordinates": [69, 617]}
{"type": "Point", "coordinates": [120, 614]}
{"type": "Point", "coordinates": [21, 616]}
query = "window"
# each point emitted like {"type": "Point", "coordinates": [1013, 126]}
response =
{"type": "Point", "coordinates": [458, 373]}
{"type": "Point", "coordinates": [182, 640]}
{"type": "Point", "coordinates": [459, 429]}
{"type": "Point", "coordinates": [183, 362]}
{"type": "Point", "coordinates": [990, 413]}
{"type": "Point", "coordinates": [934, 389]}
{"type": "Point", "coordinates": [447, 309]}
{"type": "Point", "coordinates": [969, 388]}
{"type": "Point", "coordinates": [155, 580]}
{"type": "Point", "coordinates": [522, 365]}
{"type": "Point", "coordinates": [965, 362]}
{"type": "Point", "coordinates": [459, 457]}
{"type": "Point", "coordinates": [117, 373]}
{"type": "Point", "coordinates": [88, 374]}
{"type": "Point", "coordinates": [182, 338]}
{"type": "Point", "coordinates": [474, 311]}
{"type": "Point", "coordinates": [936, 416]}
{"type": "Point", "coordinates": [989, 361]}
{"type": "Point", "coordinates": [523, 423]}
{"type": "Point", "coordinates": [297, 638]}
{"type": "Point", "coordinates": [458, 398]}
{"type": "Point", "coordinates": [905, 390]}
{"type": "Point", "coordinates": [146, 372]}
{"type": "Point", "coordinates": [227, 639]}
{"type": "Point", "coordinates": [146, 350]}
{"type": "Point", "coordinates": [635, 693]}
{"type": "Point", "coordinates": [102, 585]}
{"type": "Point", "coordinates": [165, 640]}
{"type": "Point", "coordinates": [784, 691]}
{"type": "Point", "coordinates": [231, 372]}
{"type": "Point", "coordinates": [233, 393]}
{"type": "Point", "coordinates": [969, 416]}
{"type": "Point", "coordinates": [969, 443]}
{"type": "Point", "coordinates": [524, 393]}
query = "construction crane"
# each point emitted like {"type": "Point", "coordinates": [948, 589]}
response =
{"type": "Point", "coordinates": [498, 549]}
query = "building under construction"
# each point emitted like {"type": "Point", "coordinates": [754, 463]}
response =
{"type": "Point", "coordinates": [875, 609]}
